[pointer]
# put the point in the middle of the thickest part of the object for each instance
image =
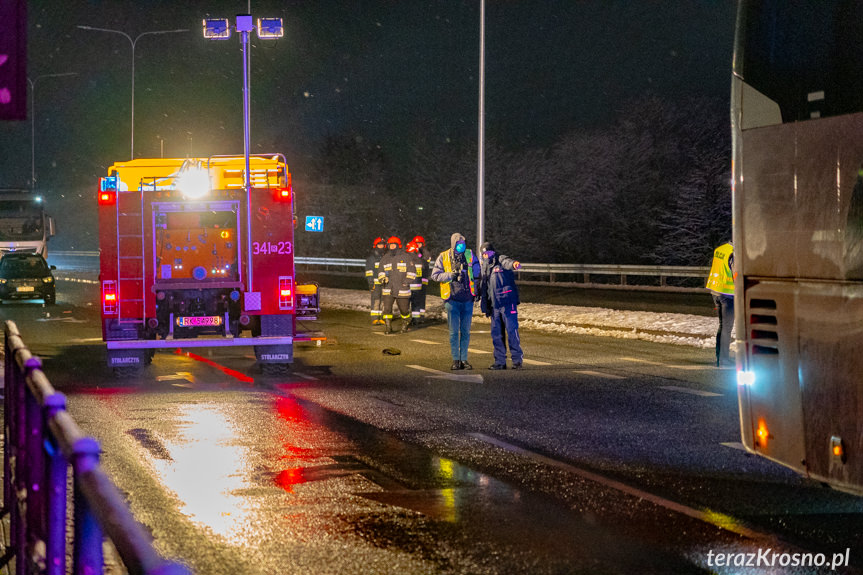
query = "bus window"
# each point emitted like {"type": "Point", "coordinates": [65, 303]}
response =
{"type": "Point", "coordinates": [804, 55]}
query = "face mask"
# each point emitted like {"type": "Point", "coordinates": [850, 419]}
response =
{"type": "Point", "coordinates": [460, 247]}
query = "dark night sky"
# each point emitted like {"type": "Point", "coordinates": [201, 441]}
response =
{"type": "Point", "coordinates": [390, 70]}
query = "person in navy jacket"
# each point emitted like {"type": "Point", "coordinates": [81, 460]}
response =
{"type": "Point", "coordinates": [499, 301]}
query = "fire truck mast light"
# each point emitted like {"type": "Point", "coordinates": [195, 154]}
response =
{"type": "Point", "coordinates": [194, 183]}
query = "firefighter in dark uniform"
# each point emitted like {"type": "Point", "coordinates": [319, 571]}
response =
{"type": "Point", "coordinates": [418, 287]}
{"type": "Point", "coordinates": [397, 272]}
{"type": "Point", "coordinates": [372, 268]}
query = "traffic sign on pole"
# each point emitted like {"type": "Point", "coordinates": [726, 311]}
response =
{"type": "Point", "coordinates": [314, 223]}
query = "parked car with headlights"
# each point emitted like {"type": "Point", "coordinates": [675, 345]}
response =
{"type": "Point", "coordinates": [27, 276]}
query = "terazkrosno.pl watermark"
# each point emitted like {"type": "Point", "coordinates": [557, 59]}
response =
{"type": "Point", "coordinates": [770, 558]}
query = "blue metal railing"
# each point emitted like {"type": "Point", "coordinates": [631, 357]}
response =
{"type": "Point", "coordinates": [41, 441]}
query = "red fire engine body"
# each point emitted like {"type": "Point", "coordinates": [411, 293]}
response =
{"type": "Point", "coordinates": [189, 259]}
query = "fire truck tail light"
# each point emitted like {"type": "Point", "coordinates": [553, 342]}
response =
{"type": "Point", "coordinates": [282, 194]}
{"type": "Point", "coordinates": [286, 292]}
{"type": "Point", "coordinates": [107, 198]}
{"type": "Point", "coordinates": [109, 297]}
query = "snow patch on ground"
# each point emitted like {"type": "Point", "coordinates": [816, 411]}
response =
{"type": "Point", "coordinates": [674, 328]}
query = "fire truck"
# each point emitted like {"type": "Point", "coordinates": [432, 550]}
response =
{"type": "Point", "coordinates": [190, 258]}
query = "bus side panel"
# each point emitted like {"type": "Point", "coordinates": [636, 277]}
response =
{"type": "Point", "coordinates": [772, 404]}
{"type": "Point", "coordinates": [802, 218]}
{"type": "Point", "coordinates": [831, 363]}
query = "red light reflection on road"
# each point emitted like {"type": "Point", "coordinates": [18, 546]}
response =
{"type": "Point", "coordinates": [289, 410]}
{"type": "Point", "coordinates": [226, 370]}
{"type": "Point", "coordinates": [290, 477]}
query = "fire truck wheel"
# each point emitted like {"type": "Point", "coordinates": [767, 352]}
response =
{"type": "Point", "coordinates": [125, 372]}
{"type": "Point", "coordinates": [275, 369]}
{"type": "Point", "coordinates": [50, 300]}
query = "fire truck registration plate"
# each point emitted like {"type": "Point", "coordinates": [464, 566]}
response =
{"type": "Point", "coordinates": [26, 288]}
{"type": "Point", "coordinates": [199, 320]}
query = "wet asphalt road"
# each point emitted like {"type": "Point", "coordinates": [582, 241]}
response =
{"type": "Point", "coordinates": [602, 456]}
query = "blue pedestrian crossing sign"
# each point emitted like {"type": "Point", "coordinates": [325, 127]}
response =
{"type": "Point", "coordinates": [314, 224]}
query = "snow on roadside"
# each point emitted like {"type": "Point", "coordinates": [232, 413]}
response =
{"type": "Point", "coordinates": [674, 328]}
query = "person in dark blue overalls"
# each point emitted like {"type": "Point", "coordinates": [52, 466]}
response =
{"type": "Point", "coordinates": [499, 301]}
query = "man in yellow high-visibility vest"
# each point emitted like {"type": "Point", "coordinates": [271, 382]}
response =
{"type": "Point", "coordinates": [721, 286]}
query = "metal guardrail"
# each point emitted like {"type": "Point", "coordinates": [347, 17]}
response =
{"type": "Point", "coordinates": [41, 441]}
{"type": "Point", "coordinates": [556, 273]}
{"type": "Point", "coordinates": [579, 274]}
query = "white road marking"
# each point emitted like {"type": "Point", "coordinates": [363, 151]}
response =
{"type": "Point", "coordinates": [599, 374]}
{"type": "Point", "coordinates": [424, 368]}
{"type": "Point", "coordinates": [86, 340]}
{"type": "Point", "coordinates": [427, 342]}
{"type": "Point", "coordinates": [304, 376]}
{"type": "Point", "coordinates": [479, 351]}
{"type": "Point", "coordinates": [469, 378]}
{"type": "Point", "coordinates": [707, 516]}
{"type": "Point", "coordinates": [690, 391]}
{"type": "Point", "coordinates": [184, 375]}
{"type": "Point", "coordinates": [734, 445]}
{"type": "Point", "coordinates": [534, 362]}
{"type": "Point", "coordinates": [660, 364]}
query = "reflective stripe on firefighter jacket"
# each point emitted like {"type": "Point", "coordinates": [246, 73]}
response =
{"type": "Point", "coordinates": [446, 262]}
{"type": "Point", "coordinates": [373, 267]}
{"type": "Point", "coordinates": [398, 267]}
{"type": "Point", "coordinates": [721, 279]}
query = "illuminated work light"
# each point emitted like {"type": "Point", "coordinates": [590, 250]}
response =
{"type": "Point", "coordinates": [193, 182]}
{"type": "Point", "coordinates": [270, 28]}
{"type": "Point", "coordinates": [217, 28]}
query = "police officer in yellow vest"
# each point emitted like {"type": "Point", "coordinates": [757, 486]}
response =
{"type": "Point", "coordinates": [721, 286]}
{"type": "Point", "coordinates": [458, 272]}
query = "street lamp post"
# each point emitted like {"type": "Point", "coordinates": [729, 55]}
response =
{"type": "Point", "coordinates": [480, 184]}
{"type": "Point", "coordinates": [133, 43]}
{"type": "Point", "coordinates": [33, 121]}
{"type": "Point", "coordinates": [267, 28]}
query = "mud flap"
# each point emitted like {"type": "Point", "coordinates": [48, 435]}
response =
{"type": "Point", "coordinates": [128, 357]}
{"type": "Point", "coordinates": [274, 353]}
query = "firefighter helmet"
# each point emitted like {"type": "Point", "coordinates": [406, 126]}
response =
{"type": "Point", "coordinates": [419, 240]}
{"type": "Point", "coordinates": [394, 240]}
{"type": "Point", "coordinates": [377, 241]}
{"type": "Point", "coordinates": [413, 247]}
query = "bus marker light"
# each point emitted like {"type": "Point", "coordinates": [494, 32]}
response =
{"type": "Point", "coordinates": [762, 435]}
{"type": "Point", "coordinates": [837, 448]}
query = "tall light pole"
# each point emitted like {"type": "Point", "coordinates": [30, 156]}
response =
{"type": "Point", "coordinates": [133, 43]}
{"type": "Point", "coordinates": [267, 28]}
{"type": "Point", "coordinates": [33, 121]}
{"type": "Point", "coordinates": [480, 183]}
